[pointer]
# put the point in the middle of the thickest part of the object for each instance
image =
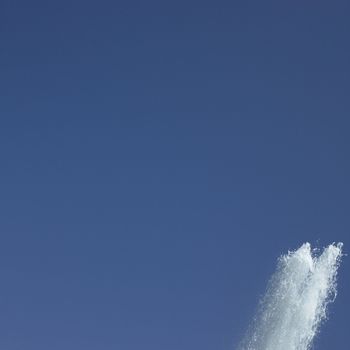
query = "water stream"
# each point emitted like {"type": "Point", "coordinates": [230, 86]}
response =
{"type": "Point", "coordinates": [296, 300]}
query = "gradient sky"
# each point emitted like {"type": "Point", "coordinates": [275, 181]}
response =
{"type": "Point", "coordinates": [157, 157]}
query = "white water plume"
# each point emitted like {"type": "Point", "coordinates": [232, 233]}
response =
{"type": "Point", "coordinates": [296, 300]}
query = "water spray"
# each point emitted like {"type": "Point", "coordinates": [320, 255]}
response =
{"type": "Point", "coordinates": [296, 300]}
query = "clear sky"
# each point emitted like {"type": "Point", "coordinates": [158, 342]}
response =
{"type": "Point", "coordinates": [157, 157]}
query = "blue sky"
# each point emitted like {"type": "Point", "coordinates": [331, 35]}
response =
{"type": "Point", "coordinates": [157, 157]}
